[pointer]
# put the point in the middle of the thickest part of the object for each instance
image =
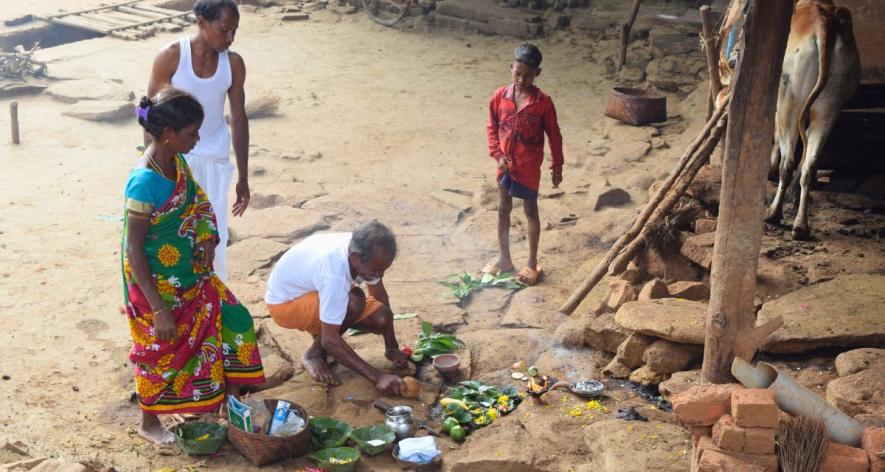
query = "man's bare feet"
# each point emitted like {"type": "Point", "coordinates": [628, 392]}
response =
{"type": "Point", "coordinates": [153, 431]}
{"type": "Point", "coordinates": [319, 369]}
{"type": "Point", "coordinates": [399, 358]}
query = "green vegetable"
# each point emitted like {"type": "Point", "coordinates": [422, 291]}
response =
{"type": "Point", "coordinates": [328, 432]}
{"type": "Point", "coordinates": [457, 433]}
{"type": "Point", "coordinates": [533, 371]}
{"type": "Point", "coordinates": [463, 284]}
{"type": "Point", "coordinates": [433, 344]}
{"type": "Point", "coordinates": [449, 423]}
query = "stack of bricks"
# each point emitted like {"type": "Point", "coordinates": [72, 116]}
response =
{"type": "Point", "coordinates": [734, 428]}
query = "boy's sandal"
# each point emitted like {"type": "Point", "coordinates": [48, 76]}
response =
{"type": "Point", "coordinates": [529, 276]}
{"type": "Point", "coordinates": [491, 267]}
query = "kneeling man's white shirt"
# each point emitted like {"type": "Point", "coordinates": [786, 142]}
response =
{"type": "Point", "coordinates": [317, 264]}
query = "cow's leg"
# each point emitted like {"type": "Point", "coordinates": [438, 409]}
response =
{"type": "Point", "coordinates": [786, 135]}
{"type": "Point", "coordinates": [819, 127]}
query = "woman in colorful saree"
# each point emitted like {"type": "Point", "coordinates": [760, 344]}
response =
{"type": "Point", "coordinates": [193, 342]}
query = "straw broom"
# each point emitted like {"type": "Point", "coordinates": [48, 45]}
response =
{"type": "Point", "coordinates": [802, 444]}
{"type": "Point", "coordinates": [262, 107]}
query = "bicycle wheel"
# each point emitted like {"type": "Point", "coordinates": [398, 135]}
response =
{"type": "Point", "coordinates": [386, 12]}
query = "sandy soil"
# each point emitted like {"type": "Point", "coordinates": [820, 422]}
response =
{"type": "Point", "coordinates": [374, 123]}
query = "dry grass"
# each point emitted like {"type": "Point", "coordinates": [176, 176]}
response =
{"type": "Point", "coordinates": [802, 443]}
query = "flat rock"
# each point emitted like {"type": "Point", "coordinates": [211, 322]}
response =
{"type": "Point", "coordinates": [619, 292]}
{"type": "Point", "coordinates": [860, 393]}
{"type": "Point", "coordinates": [612, 197]}
{"type": "Point", "coordinates": [251, 254]}
{"type": "Point", "coordinates": [653, 290]}
{"type": "Point", "coordinates": [699, 249]}
{"type": "Point", "coordinates": [668, 266]}
{"type": "Point", "coordinates": [695, 291]}
{"type": "Point", "coordinates": [571, 364]}
{"type": "Point", "coordinates": [101, 110]}
{"type": "Point", "coordinates": [604, 334]}
{"type": "Point", "coordinates": [845, 311]}
{"type": "Point", "coordinates": [282, 223]}
{"type": "Point", "coordinates": [680, 321]}
{"type": "Point", "coordinates": [310, 395]}
{"type": "Point", "coordinates": [680, 382]}
{"type": "Point", "coordinates": [277, 370]}
{"type": "Point", "coordinates": [445, 317]}
{"type": "Point", "coordinates": [617, 369]}
{"type": "Point", "coordinates": [55, 465]}
{"type": "Point", "coordinates": [631, 151]}
{"type": "Point", "coordinates": [628, 446]}
{"type": "Point", "coordinates": [73, 91]}
{"type": "Point", "coordinates": [668, 44]}
{"type": "Point", "coordinates": [856, 360]}
{"type": "Point", "coordinates": [573, 333]}
{"type": "Point", "coordinates": [667, 357]}
{"type": "Point", "coordinates": [648, 377]}
{"type": "Point", "coordinates": [493, 351]}
{"type": "Point", "coordinates": [534, 307]}
{"type": "Point", "coordinates": [630, 351]}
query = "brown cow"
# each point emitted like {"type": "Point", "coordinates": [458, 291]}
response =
{"type": "Point", "coordinates": [821, 72]}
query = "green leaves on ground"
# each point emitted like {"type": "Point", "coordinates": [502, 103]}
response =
{"type": "Point", "coordinates": [433, 344]}
{"type": "Point", "coordinates": [463, 284]}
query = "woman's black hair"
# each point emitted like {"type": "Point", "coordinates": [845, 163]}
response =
{"type": "Point", "coordinates": [211, 9]}
{"type": "Point", "coordinates": [528, 54]}
{"type": "Point", "coordinates": [171, 108]}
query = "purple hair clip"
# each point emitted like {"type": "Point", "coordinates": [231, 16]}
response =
{"type": "Point", "coordinates": [142, 112]}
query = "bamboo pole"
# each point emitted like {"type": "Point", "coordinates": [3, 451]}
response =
{"type": "Point", "coordinates": [702, 157]}
{"type": "Point", "coordinates": [625, 33]}
{"type": "Point", "coordinates": [602, 267]}
{"type": "Point", "coordinates": [13, 117]}
{"type": "Point", "coordinates": [88, 10]}
{"type": "Point", "coordinates": [711, 47]}
{"type": "Point", "coordinates": [731, 311]}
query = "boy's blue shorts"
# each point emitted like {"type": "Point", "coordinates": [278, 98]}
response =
{"type": "Point", "coordinates": [515, 189]}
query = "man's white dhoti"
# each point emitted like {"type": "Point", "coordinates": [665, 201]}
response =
{"type": "Point", "coordinates": [214, 176]}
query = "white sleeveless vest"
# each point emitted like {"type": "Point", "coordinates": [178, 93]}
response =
{"type": "Point", "coordinates": [214, 140]}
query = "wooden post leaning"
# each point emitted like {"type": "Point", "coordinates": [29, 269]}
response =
{"type": "Point", "coordinates": [625, 33]}
{"type": "Point", "coordinates": [711, 48]}
{"type": "Point", "coordinates": [13, 118]}
{"type": "Point", "coordinates": [731, 312]}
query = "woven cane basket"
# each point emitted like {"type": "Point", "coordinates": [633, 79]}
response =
{"type": "Point", "coordinates": [262, 449]}
{"type": "Point", "coordinates": [636, 106]}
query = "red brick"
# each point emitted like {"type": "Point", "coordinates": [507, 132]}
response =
{"type": "Point", "coordinates": [755, 408]}
{"type": "Point", "coordinates": [842, 458]}
{"type": "Point", "coordinates": [728, 435]}
{"type": "Point", "coordinates": [874, 444]}
{"type": "Point", "coordinates": [715, 461]}
{"type": "Point", "coordinates": [758, 441]}
{"type": "Point", "coordinates": [767, 462]}
{"type": "Point", "coordinates": [702, 405]}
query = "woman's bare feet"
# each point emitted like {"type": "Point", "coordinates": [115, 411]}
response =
{"type": "Point", "coordinates": [314, 361]}
{"type": "Point", "coordinates": [153, 431]}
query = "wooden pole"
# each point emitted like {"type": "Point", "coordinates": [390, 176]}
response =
{"type": "Point", "coordinates": [625, 33]}
{"type": "Point", "coordinates": [603, 266]}
{"type": "Point", "coordinates": [13, 116]}
{"type": "Point", "coordinates": [731, 312]}
{"type": "Point", "coordinates": [711, 47]}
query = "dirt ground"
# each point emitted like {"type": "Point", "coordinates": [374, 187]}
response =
{"type": "Point", "coordinates": [374, 123]}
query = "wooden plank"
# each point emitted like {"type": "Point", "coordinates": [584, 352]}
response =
{"type": "Point", "coordinates": [711, 48]}
{"type": "Point", "coordinates": [77, 12]}
{"type": "Point", "coordinates": [141, 13]}
{"type": "Point", "coordinates": [731, 312]}
{"type": "Point", "coordinates": [151, 22]}
{"type": "Point", "coordinates": [124, 18]}
{"type": "Point", "coordinates": [81, 24]}
{"type": "Point", "coordinates": [155, 9]}
{"type": "Point", "coordinates": [101, 19]}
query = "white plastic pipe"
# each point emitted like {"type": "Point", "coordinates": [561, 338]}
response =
{"type": "Point", "coordinates": [798, 400]}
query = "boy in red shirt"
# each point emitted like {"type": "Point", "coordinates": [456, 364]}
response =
{"type": "Point", "coordinates": [519, 115]}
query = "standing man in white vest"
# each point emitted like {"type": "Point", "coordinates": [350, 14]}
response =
{"type": "Point", "coordinates": [203, 66]}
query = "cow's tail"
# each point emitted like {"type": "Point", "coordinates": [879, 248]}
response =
{"type": "Point", "coordinates": [823, 54]}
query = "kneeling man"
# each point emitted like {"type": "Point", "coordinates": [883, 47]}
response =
{"type": "Point", "coordinates": [315, 287]}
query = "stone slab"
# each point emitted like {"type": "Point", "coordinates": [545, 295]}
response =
{"type": "Point", "coordinates": [680, 321]}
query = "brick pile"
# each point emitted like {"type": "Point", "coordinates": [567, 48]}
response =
{"type": "Point", "coordinates": [734, 429]}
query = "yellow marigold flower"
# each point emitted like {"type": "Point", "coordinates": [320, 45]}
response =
{"type": "Point", "coordinates": [244, 352]}
{"type": "Point", "coordinates": [180, 380]}
{"type": "Point", "coordinates": [503, 400]}
{"type": "Point", "coordinates": [146, 388]}
{"type": "Point", "coordinates": [492, 414]}
{"type": "Point", "coordinates": [217, 372]}
{"type": "Point", "coordinates": [168, 255]}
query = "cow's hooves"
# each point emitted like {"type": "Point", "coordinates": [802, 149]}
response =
{"type": "Point", "coordinates": [773, 219]}
{"type": "Point", "coordinates": [801, 234]}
